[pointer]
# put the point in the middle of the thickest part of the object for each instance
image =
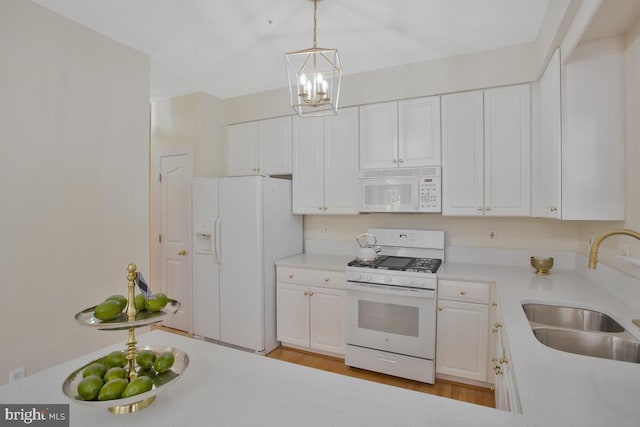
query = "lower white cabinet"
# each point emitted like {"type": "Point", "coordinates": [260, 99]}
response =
{"type": "Point", "coordinates": [506, 392]}
{"type": "Point", "coordinates": [310, 306]}
{"type": "Point", "coordinates": [463, 333]}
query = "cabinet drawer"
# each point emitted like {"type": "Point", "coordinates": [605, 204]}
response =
{"type": "Point", "coordinates": [464, 291]}
{"type": "Point", "coordinates": [331, 279]}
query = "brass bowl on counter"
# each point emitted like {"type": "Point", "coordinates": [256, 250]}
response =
{"type": "Point", "coordinates": [542, 265]}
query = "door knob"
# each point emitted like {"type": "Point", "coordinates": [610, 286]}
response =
{"type": "Point", "coordinates": [182, 252]}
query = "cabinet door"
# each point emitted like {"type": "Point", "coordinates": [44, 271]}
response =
{"type": "Point", "coordinates": [507, 151]}
{"type": "Point", "coordinates": [341, 184]}
{"type": "Point", "coordinates": [308, 165]}
{"type": "Point", "coordinates": [242, 149]}
{"type": "Point", "coordinates": [462, 339]}
{"type": "Point", "coordinates": [547, 172]}
{"type": "Point", "coordinates": [462, 154]}
{"type": "Point", "coordinates": [293, 314]}
{"type": "Point", "coordinates": [275, 143]}
{"type": "Point", "coordinates": [326, 325]}
{"type": "Point", "coordinates": [379, 136]}
{"type": "Point", "coordinates": [419, 132]}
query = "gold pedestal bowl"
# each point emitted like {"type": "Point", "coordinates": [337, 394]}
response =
{"type": "Point", "coordinates": [542, 265]}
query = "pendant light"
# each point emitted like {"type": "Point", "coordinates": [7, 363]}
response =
{"type": "Point", "coordinates": [314, 78]}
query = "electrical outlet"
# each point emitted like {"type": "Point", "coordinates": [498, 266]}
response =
{"type": "Point", "coordinates": [17, 374]}
{"type": "Point", "coordinates": [590, 240]}
{"type": "Point", "coordinates": [623, 249]}
{"type": "Point", "coordinates": [493, 234]}
{"type": "Point", "coordinates": [325, 230]}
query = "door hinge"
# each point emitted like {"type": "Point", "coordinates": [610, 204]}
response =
{"type": "Point", "coordinates": [159, 238]}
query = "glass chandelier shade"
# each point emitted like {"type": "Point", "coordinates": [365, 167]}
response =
{"type": "Point", "coordinates": [314, 78]}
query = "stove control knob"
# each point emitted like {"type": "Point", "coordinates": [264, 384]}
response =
{"type": "Point", "coordinates": [409, 282]}
{"type": "Point", "coordinates": [387, 279]}
{"type": "Point", "coordinates": [366, 278]}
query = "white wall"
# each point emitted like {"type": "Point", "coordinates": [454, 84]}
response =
{"type": "Point", "coordinates": [497, 67]}
{"type": "Point", "coordinates": [610, 246]}
{"type": "Point", "coordinates": [196, 119]}
{"type": "Point", "coordinates": [513, 233]}
{"type": "Point", "coordinates": [73, 178]}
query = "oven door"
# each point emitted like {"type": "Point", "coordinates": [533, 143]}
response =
{"type": "Point", "coordinates": [394, 319]}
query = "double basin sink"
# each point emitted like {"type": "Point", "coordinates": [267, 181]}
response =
{"type": "Point", "coordinates": [581, 331]}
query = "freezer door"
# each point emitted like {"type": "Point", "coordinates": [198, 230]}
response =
{"type": "Point", "coordinates": [241, 267]}
{"type": "Point", "coordinates": [206, 280]}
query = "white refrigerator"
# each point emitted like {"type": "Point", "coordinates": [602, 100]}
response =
{"type": "Point", "coordinates": [241, 226]}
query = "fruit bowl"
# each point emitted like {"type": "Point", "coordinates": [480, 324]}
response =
{"type": "Point", "coordinates": [143, 318]}
{"type": "Point", "coordinates": [134, 403]}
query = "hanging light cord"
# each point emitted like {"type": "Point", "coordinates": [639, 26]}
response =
{"type": "Point", "coordinates": [315, 19]}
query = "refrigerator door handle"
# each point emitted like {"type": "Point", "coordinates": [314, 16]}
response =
{"type": "Point", "coordinates": [219, 241]}
{"type": "Point", "coordinates": [214, 239]}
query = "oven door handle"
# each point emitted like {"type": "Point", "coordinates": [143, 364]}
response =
{"type": "Point", "coordinates": [394, 291]}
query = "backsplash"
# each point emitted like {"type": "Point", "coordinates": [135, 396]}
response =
{"type": "Point", "coordinates": [495, 256]}
{"type": "Point", "coordinates": [623, 286]}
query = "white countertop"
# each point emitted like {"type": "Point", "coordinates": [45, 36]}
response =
{"type": "Point", "coordinates": [555, 388]}
{"type": "Point", "coordinates": [228, 387]}
{"type": "Point", "coordinates": [558, 388]}
{"type": "Point", "coordinates": [316, 261]}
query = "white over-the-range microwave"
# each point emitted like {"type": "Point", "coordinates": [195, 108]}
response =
{"type": "Point", "coordinates": [401, 190]}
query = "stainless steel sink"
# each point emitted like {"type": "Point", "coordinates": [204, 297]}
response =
{"type": "Point", "coordinates": [570, 317]}
{"type": "Point", "coordinates": [605, 346]}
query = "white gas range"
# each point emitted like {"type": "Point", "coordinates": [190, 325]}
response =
{"type": "Point", "coordinates": [391, 305]}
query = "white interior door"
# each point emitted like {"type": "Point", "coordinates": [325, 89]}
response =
{"type": "Point", "coordinates": [173, 226]}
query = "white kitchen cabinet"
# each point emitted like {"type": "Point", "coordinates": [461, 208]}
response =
{"type": "Point", "coordinates": [579, 163]}
{"type": "Point", "coordinates": [325, 167]}
{"type": "Point", "coordinates": [262, 147]}
{"type": "Point", "coordinates": [463, 154]}
{"type": "Point", "coordinates": [463, 331]}
{"type": "Point", "coordinates": [547, 168]}
{"type": "Point", "coordinates": [379, 136]}
{"type": "Point", "coordinates": [486, 152]}
{"type": "Point", "coordinates": [292, 314]}
{"type": "Point", "coordinates": [310, 310]}
{"type": "Point", "coordinates": [506, 391]}
{"type": "Point", "coordinates": [400, 134]}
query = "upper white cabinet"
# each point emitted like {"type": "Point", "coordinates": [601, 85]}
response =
{"type": "Point", "coordinates": [262, 147]}
{"type": "Point", "coordinates": [400, 134]}
{"type": "Point", "coordinates": [325, 168]}
{"type": "Point", "coordinates": [547, 157]}
{"type": "Point", "coordinates": [580, 154]}
{"type": "Point", "coordinates": [486, 152]}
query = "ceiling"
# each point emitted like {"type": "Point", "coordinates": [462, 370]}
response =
{"type": "Point", "coordinates": [228, 48]}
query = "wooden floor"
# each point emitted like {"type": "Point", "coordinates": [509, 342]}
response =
{"type": "Point", "coordinates": [463, 392]}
